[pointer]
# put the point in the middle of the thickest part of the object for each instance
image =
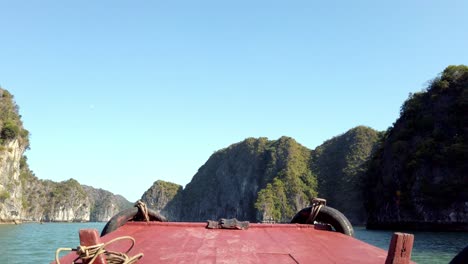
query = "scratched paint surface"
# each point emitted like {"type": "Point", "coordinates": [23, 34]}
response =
{"type": "Point", "coordinates": [280, 243]}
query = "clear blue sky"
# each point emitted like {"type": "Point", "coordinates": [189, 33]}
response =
{"type": "Point", "coordinates": [118, 94]}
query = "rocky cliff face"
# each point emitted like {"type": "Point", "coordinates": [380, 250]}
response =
{"type": "Point", "coordinates": [104, 204]}
{"type": "Point", "coordinates": [419, 175]}
{"type": "Point", "coordinates": [416, 176]}
{"type": "Point", "coordinates": [54, 202]}
{"type": "Point", "coordinates": [261, 180]}
{"type": "Point", "coordinates": [340, 165]}
{"type": "Point", "coordinates": [13, 142]}
{"type": "Point", "coordinates": [253, 180]}
{"type": "Point", "coordinates": [67, 201]}
{"type": "Point", "coordinates": [160, 194]}
{"type": "Point", "coordinates": [24, 197]}
{"type": "Point", "coordinates": [10, 187]}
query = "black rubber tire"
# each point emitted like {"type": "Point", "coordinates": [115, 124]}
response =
{"type": "Point", "coordinates": [130, 214]}
{"type": "Point", "coordinates": [461, 257]}
{"type": "Point", "coordinates": [327, 215]}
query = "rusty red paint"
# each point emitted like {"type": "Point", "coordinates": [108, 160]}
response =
{"type": "Point", "coordinates": [90, 237]}
{"type": "Point", "coordinates": [262, 243]}
{"type": "Point", "coordinates": [399, 251]}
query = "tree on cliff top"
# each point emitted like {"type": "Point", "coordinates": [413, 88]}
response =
{"type": "Point", "coordinates": [11, 126]}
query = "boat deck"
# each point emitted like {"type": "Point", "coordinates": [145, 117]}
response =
{"type": "Point", "coordinates": [171, 242]}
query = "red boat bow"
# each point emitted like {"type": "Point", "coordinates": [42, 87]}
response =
{"type": "Point", "coordinates": [172, 242]}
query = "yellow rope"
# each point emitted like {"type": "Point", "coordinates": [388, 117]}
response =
{"type": "Point", "coordinates": [90, 253]}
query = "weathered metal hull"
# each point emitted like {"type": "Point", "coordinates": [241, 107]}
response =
{"type": "Point", "coordinates": [171, 242]}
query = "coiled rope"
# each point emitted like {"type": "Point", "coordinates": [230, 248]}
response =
{"type": "Point", "coordinates": [90, 253]}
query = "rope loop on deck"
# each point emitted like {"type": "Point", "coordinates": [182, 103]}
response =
{"type": "Point", "coordinates": [88, 254]}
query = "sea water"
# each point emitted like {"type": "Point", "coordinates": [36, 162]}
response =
{"type": "Point", "coordinates": [429, 247]}
{"type": "Point", "coordinates": [36, 243]}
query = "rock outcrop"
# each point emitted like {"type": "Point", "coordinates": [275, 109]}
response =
{"type": "Point", "coordinates": [262, 180]}
{"type": "Point", "coordinates": [13, 143]}
{"type": "Point", "coordinates": [340, 166]}
{"type": "Point", "coordinates": [418, 178]}
{"type": "Point", "coordinates": [412, 176]}
{"type": "Point", "coordinates": [67, 201]}
{"type": "Point", "coordinates": [161, 193]}
{"type": "Point", "coordinates": [10, 189]}
{"type": "Point", "coordinates": [104, 204]}
{"type": "Point", "coordinates": [253, 180]}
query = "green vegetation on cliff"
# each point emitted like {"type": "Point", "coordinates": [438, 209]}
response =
{"type": "Point", "coordinates": [261, 179]}
{"type": "Point", "coordinates": [415, 172]}
{"type": "Point", "coordinates": [254, 180]}
{"type": "Point", "coordinates": [340, 165]}
{"type": "Point", "coordinates": [420, 171]}
{"type": "Point", "coordinates": [104, 204]}
{"type": "Point", "coordinates": [293, 183]}
{"type": "Point", "coordinates": [170, 189]}
{"type": "Point", "coordinates": [43, 200]}
{"type": "Point", "coordinates": [4, 194]}
{"type": "Point", "coordinates": [13, 142]}
{"type": "Point", "coordinates": [25, 197]}
{"type": "Point", "coordinates": [160, 194]}
{"type": "Point", "coordinates": [11, 126]}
